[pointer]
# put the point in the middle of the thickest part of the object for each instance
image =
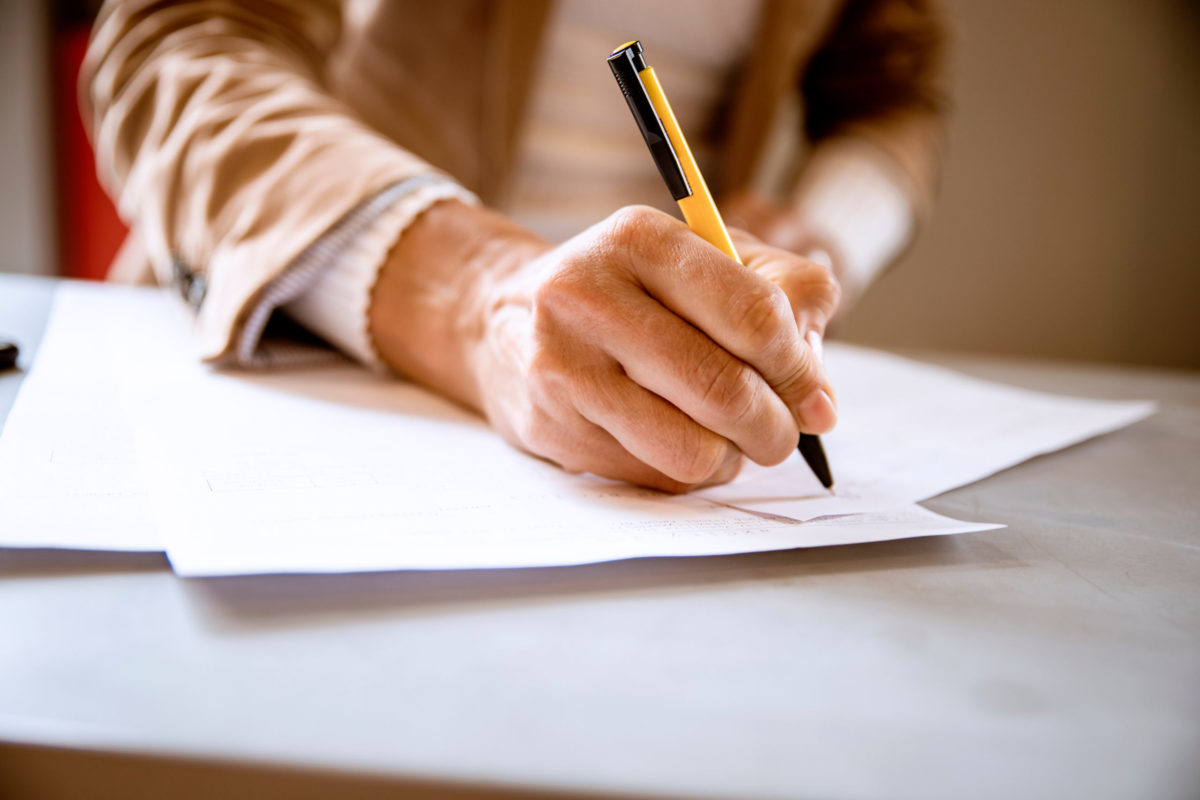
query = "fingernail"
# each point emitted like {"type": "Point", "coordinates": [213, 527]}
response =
{"type": "Point", "coordinates": [818, 347]}
{"type": "Point", "coordinates": [820, 256]}
{"type": "Point", "coordinates": [817, 413]}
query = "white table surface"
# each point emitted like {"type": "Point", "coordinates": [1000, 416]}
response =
{"type": "Point", "coordinates": [1057, 658]}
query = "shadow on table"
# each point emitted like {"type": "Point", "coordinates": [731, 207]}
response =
{"type": "Point", "coordinates": [253, 601]}
{"type": "Point", "coordinates": [265, 601]}
{"type": "Point", "coordinates": [48, 562]}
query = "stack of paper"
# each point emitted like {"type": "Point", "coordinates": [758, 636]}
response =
{"type": "Point", "coordinates": [121, 440]}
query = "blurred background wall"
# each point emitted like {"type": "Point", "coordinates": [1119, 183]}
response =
{"type": "Point", "coordinates": [1069, 217]}
{"type": "Point", "coordinates": [1069, 221]}
{"type": "Point", "coordinates": [26, 157]}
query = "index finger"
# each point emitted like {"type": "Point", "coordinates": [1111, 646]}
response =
{"type": "Point", "coordinates": [743, 312]}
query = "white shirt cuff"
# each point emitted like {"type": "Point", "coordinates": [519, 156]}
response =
{"type": "Point", "coordinates": [335, 305]}
{"type": "Point", "coordinates": [327, 288]}
{"type": "Point", "coordinates": [854, 198]}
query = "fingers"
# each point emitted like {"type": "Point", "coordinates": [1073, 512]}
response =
{"type": "Point", "coordinates": [747, 314]}
{"type": "Point", "coordinates": [814, 294]}
{"type": "Point", "coordinates": [696, 376]}
{"type": "Point", "coordinates": [655, 433]}
{"type": "Point", "coordinates": [808, 281]}
{"type": "Point", "coordinates": [579, 445]}
{"type": "Point", "coordinates": [574, 392]}
{"type": "Point", "coordinates": [638, 352]}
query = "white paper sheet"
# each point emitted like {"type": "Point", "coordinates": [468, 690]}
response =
{"type": "Point", "coordinates": [910, 431]}
{"type": "Point", "coordinates": [338, 470]}
{"type": "Point", "coordinates": [69, 474]}
{"type": "Point", "coordinates": [268, 465]}
{"type": "Point", "coordinates": [335, 469]}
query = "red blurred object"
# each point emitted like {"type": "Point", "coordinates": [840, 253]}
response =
{"type": "Point", "coordinates": [89, 230]}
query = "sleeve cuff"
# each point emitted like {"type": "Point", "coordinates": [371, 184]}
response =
{"type": "Point", "coordinates": [853, 198]}
{"type": "Point", "coordinates": [327, 288]}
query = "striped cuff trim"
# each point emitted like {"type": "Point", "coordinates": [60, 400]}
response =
{"type": "Point", "coordinates": [399, 204]}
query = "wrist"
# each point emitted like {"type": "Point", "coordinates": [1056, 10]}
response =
{"type": "Point", "coordinates": [437, 289]}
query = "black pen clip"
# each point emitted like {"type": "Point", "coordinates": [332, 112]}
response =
{"type": "Point", "coordinates": [626, 62]}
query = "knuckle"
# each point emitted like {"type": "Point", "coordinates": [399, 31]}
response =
{"type": "Point", "coordinates": [731, 392]}
{"type": "Point", "coordinates": [803, 378]}
{"type": "Point", "coordinates": [816, 287]}
{"type": "Point", "coordinates": [559, 290]}
{"type": "Point", "coordinates": [831, 299]}
{"type": "Point", "coordinates": [825, 292]}
{"type": "Point", "coordinates": [576, 290]}
{"type": "Point", "coordinates": [697, 464]}
{"type": "Point", "coordinates": [727, 472]}
{"type": "Point", "coordinates": [762, 316]}
{"type": "Point", "coordinates": [632, 223]}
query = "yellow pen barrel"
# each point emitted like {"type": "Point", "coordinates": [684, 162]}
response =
{"type": "Point", "coordinates": [702, 217]}
{"type": "Point", "coordinates": [699, 209]}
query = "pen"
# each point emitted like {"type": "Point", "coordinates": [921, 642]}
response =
{"type": "Point", "coordinates": [671, 153]}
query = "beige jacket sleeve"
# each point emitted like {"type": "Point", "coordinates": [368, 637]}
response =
{"type": "Point", "coordinates": [881, 75]}
{"type": "Point", "coordinates": [876, 105]}
{"type": "Point", "coordinates": [215, 136]}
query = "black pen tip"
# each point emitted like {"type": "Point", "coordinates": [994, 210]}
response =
{"type": "Point", "coordinates": [814, 455]}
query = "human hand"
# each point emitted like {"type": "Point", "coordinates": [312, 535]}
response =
{"type": "Point", "coordinates": [635, 351]}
